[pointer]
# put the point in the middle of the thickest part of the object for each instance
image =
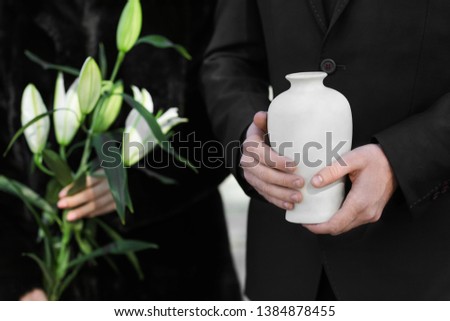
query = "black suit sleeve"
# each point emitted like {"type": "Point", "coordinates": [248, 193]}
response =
{"type": "Point", "coordinates": [418, 149]}
{"type": "Point", "coordinates": [234, 76]}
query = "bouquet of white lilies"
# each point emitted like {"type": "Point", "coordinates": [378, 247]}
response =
{"type": "Point", "coordinates": [91, 104]}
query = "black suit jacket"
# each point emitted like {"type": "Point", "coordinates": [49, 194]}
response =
{"type": "Point", "coordinates": [393, 65]}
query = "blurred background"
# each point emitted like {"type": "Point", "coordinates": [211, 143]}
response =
{"type": "Point", "coordinates": [236, 206]}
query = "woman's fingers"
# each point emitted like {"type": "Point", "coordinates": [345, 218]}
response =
{"type": "Point", "coordinates": [65, 191]}
{"type": "Point", "coordinates": [96, 199]}
{"type": "Point", "coordinates": [94, 180]}
{"type": "Point", "coordinates": [111, 207]}
{"type": "Point", "coordinates": [34, 295]}
{"type": "Point", "coordinates": [88, 195]}
{"type": "Point", "coordinates": [99, 206]}
{"type": "Point", "coordinates": [91, 181]}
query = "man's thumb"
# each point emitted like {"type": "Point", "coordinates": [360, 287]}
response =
{"type": "Point", "coordinates": [260, 120]}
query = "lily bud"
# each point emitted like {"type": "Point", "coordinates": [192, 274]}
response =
{"type": "Point", "coordinates": [130, 25]}
{"type": "Point", "coordinates": [139, 139]}
{"type": "Point", "coordinates": [109, 109]}
{"type": "Point", "coordinates": [67, 116]}
{"type": "Point", "coordinates": [33, 106]}
{"type": "Point", "coordinates": [90, 86]}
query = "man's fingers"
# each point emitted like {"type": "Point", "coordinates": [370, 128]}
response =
{"type": "Point", "coordinates": [276, 177]}
{"type": "Point", "coordinates": [272, 159]}
{"type": "Point", "coordinates": [99, 205]}
{"type": "Point", "coordinates": [266, 189]}
{"type": "Point", "coordinates": [85, 196]}
{"type": "Point", "coordinates": [257, 152]}
{"type": "Point", "coordinates": [344, 166]}
{"type": "Point", "coordinates": [268, 172]}
{"type": "Point", "coordinates": [337, 225]}
{"type": "Point", "coordinates": [342, 220]}
{"type": "Point", "coordinates": [277, 202]}
{"type": "Point", "coordinates": [329, 175]}
{"type": "Point", "coordinates": [260, 120]}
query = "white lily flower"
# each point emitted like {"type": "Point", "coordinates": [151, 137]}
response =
{"type": "Point", "coordinates": [170, 119]}
{"type": "Point", "coordinates": [139, 139]}
{"type": "Point", "coordinates": [67, 116]}
{"type": "Point", "coordinates": [143, 97]}
{"type": "Point", "coordinates": [33, 106]}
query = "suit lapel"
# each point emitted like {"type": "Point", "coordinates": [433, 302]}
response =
{"type": "Point", "coordinates": [340, 7]}
{"type": "Point", "coordinates": [320, 16]}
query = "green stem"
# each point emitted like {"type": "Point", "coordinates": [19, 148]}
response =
{"type": "Point", "coordinates": [62, 152]}
{"type": "Point", "coordinates": [87, 145]}
{"type": "Point", "coordinates": [38, 162]}
{"type": "Point", "coordinates": [62, 258]}
{"type": "Point", "coordinates": [52, 292]}
{"type": "Point", "coordinates": [53, 296]}
{"type": "Point", "coordinates": [119, 60]}
{"type": "Point", "coordinates": [66, 229]}
{"type": "Point", "coordinates": [86, 154]}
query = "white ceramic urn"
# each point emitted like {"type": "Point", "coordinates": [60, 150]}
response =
{"type": "Point", "coordinates": [312, 125]}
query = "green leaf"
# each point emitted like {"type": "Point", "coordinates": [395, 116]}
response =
{"type": "Point", "coordinates": [148, 116]}
{"type": "Point", "coordinates": [74, 147]}
{"type": "Point", "coordinates": [83, 244]}
{"type": "Point", "coordinates": [49, 66]}
{"type": "Point", "coordinates": [68, 279]}
{"type": "Point", "coordinates": [163, 179]}
{"type": "Point", "coordinates": [116, 237]}
{"type": "Point", "coordinates": [162, 42]}
{"type": "Point", "coordinates": [102, 60]}
{"type": "Point", "coordinates": [78, 185]}
{"type": "Point", "coordinates": [42, 266]}
{"type": "Point", "coordinates": [95, 168]}
{"type": "Point", "coordinates": [52, 191]}
{"type": "Point", "coordinates": [117, 175]}
{"type": "Point", "coordinates": [22, 130]}
{"type": "Point", "coordinates": [183, 51]}
{"type": "Point", "coordinates": [58, 166]}
{"type": "Point", "coordinates": [51, 196]}
{"type": "Point", "coordinates": [90, 232]}
{"type": "Point", "coordinates": [18, 189]}
{"type": "Point", "coordinates": [169, 149]}
{"type": "Point", "coordinates": [31, 122]}
{"type": "Point", "coordinates": [30, 199]}
{"type": "Point", "coordinates": [156, 129]}
{"type": "Point", "coordinates": [128, 200]}
{"type": "Point", "coordinates": [115, 248]}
